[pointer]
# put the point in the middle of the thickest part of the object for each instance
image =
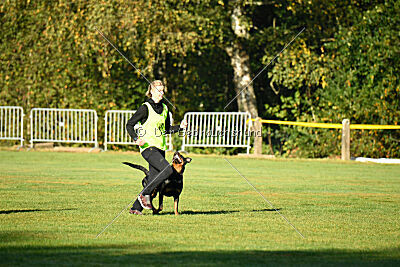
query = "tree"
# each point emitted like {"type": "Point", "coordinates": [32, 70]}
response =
{"type": "Point", "coordinates": [240, 59]}
{"type": "Point", "coordinates": [347, 72]}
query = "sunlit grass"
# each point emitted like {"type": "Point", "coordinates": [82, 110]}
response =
{"type": "Point", "coordinates": [54, 204]}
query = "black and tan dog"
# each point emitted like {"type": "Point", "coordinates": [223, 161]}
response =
{"type": "Point", "coordinates": [171, 187]}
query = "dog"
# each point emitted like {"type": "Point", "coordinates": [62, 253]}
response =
{"type": "Point", "coordinates": [171, 187]}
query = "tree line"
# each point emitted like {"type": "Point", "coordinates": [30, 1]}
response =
{"type": "Point", "coordinates": [345, 64]}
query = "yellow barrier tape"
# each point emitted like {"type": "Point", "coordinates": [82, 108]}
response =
{"type": "Point", "coordinates": [374, 127]}
{"type": "Point", "coordinates": [333, 125]}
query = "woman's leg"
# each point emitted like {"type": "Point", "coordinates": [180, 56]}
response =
{"type": "Point", "coordinates": [160, 168]}
{"type": "Point", "coordinates": [137, 206]}
{"type": "Point", "coordinates": [152, 173]}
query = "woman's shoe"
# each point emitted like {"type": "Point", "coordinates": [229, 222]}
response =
{"type": "Point", "coordinates": [131, 211]}
{"type": "Point", "coordinates": [144, 200]}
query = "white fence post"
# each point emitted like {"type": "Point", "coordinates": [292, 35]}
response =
{"type": "Point", "coordinates": [258, 136]}
{"type": "Point", "coordinates": [12, 123]}
{"type": "Point", "coordinates": [63, 126]}
{"type": "Point", "coordinates": [217, 129]}
{"type": "Point", "coordinates": [345, 139]}
{"type": "Point", "coordinates": [115, 128]}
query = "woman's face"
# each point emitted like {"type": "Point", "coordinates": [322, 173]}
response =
{"type": "Point", "coordinates": [157, 93]}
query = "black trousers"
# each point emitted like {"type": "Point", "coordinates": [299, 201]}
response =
{"type": "Point", "coordinates": [159, 171]}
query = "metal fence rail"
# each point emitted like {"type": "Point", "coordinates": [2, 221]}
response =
{"type": "Point", "coordinates": [63, 125]}
{"type": "Point", "coordinates": [217, 129]}
{"type": "Point", "coordinates": [115, 128]}
{"type": "Point", "coordinates": [12, 123]}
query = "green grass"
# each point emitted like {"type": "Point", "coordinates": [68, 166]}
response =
{"type": "Point", "coordinates": [54, 204]}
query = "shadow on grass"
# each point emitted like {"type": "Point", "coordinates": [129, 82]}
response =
{"type": "Point", "coordinates": [200, 212]}
{"type": "Point", "coordinates": [132, 255]}
{"type": "Point", "coordinates": [33, 210]}
{"type": "Point", "coordinates": [265, 210]}
{"type": "Point", "coordinates": [210, 212]}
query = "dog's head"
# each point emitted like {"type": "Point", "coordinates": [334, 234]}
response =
{"type": "Point", "coordinates": [179, 162]}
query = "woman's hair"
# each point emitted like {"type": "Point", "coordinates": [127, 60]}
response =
{"type": "Point", "coordinates": [153, 83]}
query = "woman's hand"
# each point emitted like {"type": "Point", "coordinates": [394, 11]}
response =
{"type": "Point", "coordinates": [183, 124]}
{"type": "Point", "coordinates": [140, 142]}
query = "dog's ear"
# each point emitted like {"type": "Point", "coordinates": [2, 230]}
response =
{"type": "Point", "coordinates": [188, 160]}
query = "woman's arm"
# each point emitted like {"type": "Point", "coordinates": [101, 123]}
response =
{"type": "Point", "coordinates": [174, 128]}
{"type": "Point", "coordinates": [140, 116]}
{"type": "Point", "coordinates": [170, 128]}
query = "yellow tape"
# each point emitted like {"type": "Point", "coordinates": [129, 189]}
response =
{"type": "Point", "coordinates": [333, 125]}
{"type": "Point", "coordinates": [374, 127]}
{"type": "Point", "coordinates": [305, 124]}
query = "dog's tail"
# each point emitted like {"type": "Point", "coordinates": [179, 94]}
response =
{"type": "Point", "coordinates": [135, 166]}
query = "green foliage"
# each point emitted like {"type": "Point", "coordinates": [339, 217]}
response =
{"type": "Point", "coordinates": [344, 65]}
{"type": "Point", "coordinates": [363, 84]}
{"type": "Point", "coordinates": [53, 56]}
{"type": "Point", "coordinates": [353, 75]}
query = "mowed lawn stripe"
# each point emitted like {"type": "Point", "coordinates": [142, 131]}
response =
{"type": "Point", "coordinates": [54, 204]}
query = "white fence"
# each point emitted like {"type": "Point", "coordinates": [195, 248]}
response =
{"type": "Point", "coordinates": [217, 129]}
{"type": "Point", "coordinates": [12, 123]}
{"type": "Point", "coordinates": [63, 125]}
{"type": "Point", "coordinates": [115, 128]}
{"type": "Point", "coordinates": [205, 129]}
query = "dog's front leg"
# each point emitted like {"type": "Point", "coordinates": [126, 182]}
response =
{"type": "Point", "coordinates": [160, 202]}
{"type": "Point", "coordinates": [176, 202]}
{"type": "Point", "coordinates": [153, 209]}
{"type": "Point", "coordinates": [160, 206]}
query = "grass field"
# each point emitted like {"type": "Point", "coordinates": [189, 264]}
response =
{"type": "Point", "coordinates": [54, 204]}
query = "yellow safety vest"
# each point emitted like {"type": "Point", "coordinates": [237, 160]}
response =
{"type": "Point", "coordinates": [153, 130]}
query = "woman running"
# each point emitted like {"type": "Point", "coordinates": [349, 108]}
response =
{"type": "Point", "coordinates": [154, 123]}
